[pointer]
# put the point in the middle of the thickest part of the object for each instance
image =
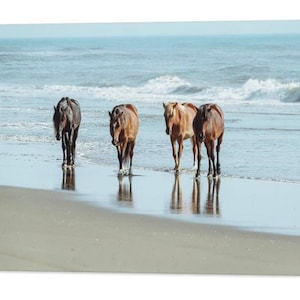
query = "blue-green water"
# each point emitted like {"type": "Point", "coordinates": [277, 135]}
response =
{"type": "Point", "coordinates": [255, 79]}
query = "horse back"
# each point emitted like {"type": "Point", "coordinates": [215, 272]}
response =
{"type": "Point", "coordinates": [190, 112]}
{"type": "Point", "coordinates": [217, 120]}
{"type": "Point", "coordinates": [190, 107]}
{"type": "Point", "coordinates": [132, 108]}
{"type": "Point", "coordinates": [75, 107]}
{"type": "Point", "coordinates": [218, 110]}
{"type": "Point", "coordinates": [131, 124]}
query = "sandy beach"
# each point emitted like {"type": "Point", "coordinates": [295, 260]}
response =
{"type": "Point", "coordinates": [52, 231]}
{"type": "Point", "coordinates": [90, 220]}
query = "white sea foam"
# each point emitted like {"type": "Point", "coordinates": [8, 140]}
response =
{"type": "Point", "coordinates": [172, 88]}
{"type": "Point", "coordinates": [175, 88]}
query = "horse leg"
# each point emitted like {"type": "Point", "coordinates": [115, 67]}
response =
{"type": "Point", "coordinates": [73, 152]}
{"type": "Point", "coordinates": [123, 157]}
{"type": "Point", "coordinates": [209, 155]}
{"type": "Point", "coordinates": [195, 151]}
{"type": "Point", "coordinates": [132, 144]}
{"type": "Point", "coordinates": [173, 143]}
{"type": "Point", "coordinates": [63, 145]}
{"type": "Point", "coordinates": [180, 150]}
{"type": "Point", "coordinates": [119, 150]}
{"type": "Point", "coordinates": [68, 147]}
{"type": "Point", "coordinates": [220, 139]}
{"type": "Point", "coordinates": [198, 158]}
{"type": "Point", "coordinates": [212, 157]}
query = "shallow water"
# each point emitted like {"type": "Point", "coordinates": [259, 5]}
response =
{"type": "Point", "coordinates": [247, 204]}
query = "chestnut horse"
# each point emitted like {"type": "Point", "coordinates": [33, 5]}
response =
{"type": "Point", "coordinates": [124, 126]}
{"type": "Point", "coordinates": [66, 120]}
{"type": "Point", "coordinates": [179, 125]}
{"type": "Point", "coordinates": [209, 126]}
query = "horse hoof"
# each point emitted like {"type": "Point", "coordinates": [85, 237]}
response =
{"type": "Point", "coordinates": [122, 172]}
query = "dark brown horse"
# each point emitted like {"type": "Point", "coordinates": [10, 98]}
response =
{"type": "Point", "coordinates": [66, 120]}
{"type": "Point", "coordinates": [179, 125]}
{"type": "Point", "coordinates": [208, 127]}
{"type": "Point", "coordinates": [124, 126]}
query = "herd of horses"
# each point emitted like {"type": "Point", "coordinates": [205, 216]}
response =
{"type": "Point", "coordinates": [183, 121]}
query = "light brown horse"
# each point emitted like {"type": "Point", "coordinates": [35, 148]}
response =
{"type": "Point", "coordinates": [209, 126]}
{"type": "Point", "coordinates": [179, 125]}
{"type": "Point", "coordinates": [124, 126]}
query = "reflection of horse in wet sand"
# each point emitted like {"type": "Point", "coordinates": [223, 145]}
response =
{"type": "Point", "coordinates": [68, 180]}
{"type": "Point", "coordinates": [125, 190]}
{"type": "Point", "coordinates": [212, 203]}
{"type": "Point", "coordinates": [212, 206]}
{"type": "Point", "coordinates": [124, 126]}
{"type": "Point", "coordinates": [179, 125]}
{"type": "Point", "coordinates": [176, 200]}
{"type": "Point", "coordinates": [196, 196]}
{"type": "Point", "coordinates": [66, 120]}
{"type": "Point", "coordinates": [208, 127]}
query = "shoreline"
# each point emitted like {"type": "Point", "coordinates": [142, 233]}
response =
{"type": "Point", "coordinates": [51, 231]}
{"type": "Point", "coordinates": [91, 220]}
{"type": "Point", "coordinates": [246, 204]}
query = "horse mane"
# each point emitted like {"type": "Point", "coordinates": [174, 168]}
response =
{"type": "Point", "coordinates": [170, 107]}
{"type": "Point", "coordinates": [115, 109]}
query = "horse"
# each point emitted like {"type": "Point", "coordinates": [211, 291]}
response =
{"type": "Point", "coordinates": [179, 126]}
{"type": "Point", "coordinates": [209, 126]}
{"type": "Point", "coordinates": [124, 126]}
{"type": "Point", "coordinates": [66, 120]}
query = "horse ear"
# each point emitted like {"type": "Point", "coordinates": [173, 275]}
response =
{"type": "Point", "coordinates": [164, 104]}
{"type": "Point", "coordinates": [54, 108]}
{"type": "Point", "coordinates": [110, 114]}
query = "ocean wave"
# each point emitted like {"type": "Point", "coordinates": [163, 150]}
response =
{"type": "Point", "coordinates": [176, 88]}
{"type": "Point", "coordinates": [272, 89]}
{"type": "Point", "coordinates": [173, 88]}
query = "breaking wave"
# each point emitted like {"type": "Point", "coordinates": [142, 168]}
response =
{"type": "Point", "coordinates": [173, 88]}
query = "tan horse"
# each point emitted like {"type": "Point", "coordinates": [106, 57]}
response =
{"type": "Point", "coordinates": [208, 127]}
{"type": "Point", "coordinates": [179, 125]}
{"type": "Point", "coordinates": [124, 126]}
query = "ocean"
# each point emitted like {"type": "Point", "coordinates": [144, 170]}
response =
{"type": "Point", "coordinates": [254, 78]}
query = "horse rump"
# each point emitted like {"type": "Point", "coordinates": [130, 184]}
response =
{"type": "Point", "coordinates": [208, 126]}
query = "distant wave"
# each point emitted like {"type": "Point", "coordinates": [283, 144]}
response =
{"type": "Point", "coordinates": [174, 88]}
{"type": "Point", "coordinates": [272, 89]}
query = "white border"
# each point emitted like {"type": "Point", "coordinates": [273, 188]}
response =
{"type": "Point", "coordinates": [95, 11]}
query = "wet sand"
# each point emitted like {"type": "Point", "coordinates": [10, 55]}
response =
{"type": "Point", "coordinates": [45, 230]}
{"type": "Point", "coordinates": [155, 222]}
